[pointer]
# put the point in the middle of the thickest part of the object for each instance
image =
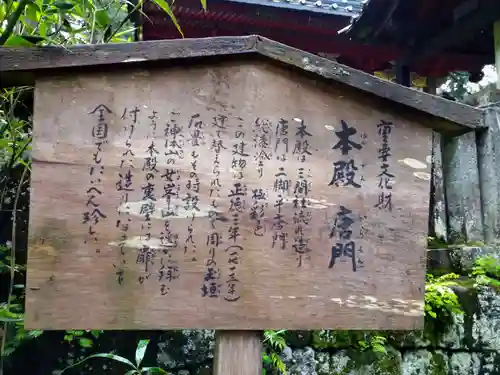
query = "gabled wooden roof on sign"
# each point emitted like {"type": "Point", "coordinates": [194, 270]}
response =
{"type": "Point", "coordinates": [20, 66]}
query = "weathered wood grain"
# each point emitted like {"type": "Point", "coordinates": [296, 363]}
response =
{"type": "Point", "coordinates": [20, 65]}
{"type": "Point", "coordinates": [71, 285]}
{"type": "Point", "coordinates": [238, 352]}
{"type": "Point", "coordinates": [30, 59]}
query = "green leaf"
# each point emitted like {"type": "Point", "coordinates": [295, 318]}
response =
{"type": "Point", "coordinates": [67, 25]}
{"type": "Point", "coordinates": [114, 357]}
{"type": "Point", "coordinates": [95, 333]}
{"type": "Point", "coordinates": [153, 370]}
{"type": "Point", "coordinates": [140, 351]}
{"type": "Point", "coordinates": [34, 39]}
{"type": "Point", "coordinates": [32, 12]}
{"type": "Point", "coordinates": [10, 320]}
{"type": "Point", "coordinates": [35, 333]}
{"type": "Point", "coordinates": [166, 8]}
{"type": "Point", "coordinates": [17, 41]}
{"type": "Point", "coordinates": [266, 359]}
{"type": "Point", "coordinates": [102, 18]}
{"type": "Point", "coordinates": [131, 372]}
{"type": "Point", "coordinates": [85, 343]}
{"type": "Point", "coordinates": [63, 5]}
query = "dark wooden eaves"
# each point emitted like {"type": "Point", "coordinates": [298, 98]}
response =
{"type": "Point", "coordinates": [19, 66]}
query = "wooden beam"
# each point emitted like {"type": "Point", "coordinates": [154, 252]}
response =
{"type": "Point", "coordinates": [487, 12]}
{"type": "Point", "coordinates": [32, 59]}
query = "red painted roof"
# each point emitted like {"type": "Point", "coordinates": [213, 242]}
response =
{"type": "Point", "coordinates": [315, 32]}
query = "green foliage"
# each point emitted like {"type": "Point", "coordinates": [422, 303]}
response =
{"type": "Point", "coordinates": [15, 134]}
{"type": "Point", "coordinates": [85, 339]}
{"type": "Point", "coordinates": [441, 302]}
{"type": "Point", "coordinates": [274, 343]}
{"type": "Point", "coordinates": [12, 318]}
{"type": "Point", "coordinates": [486, 271]}
{"type": "Point", "coordinates": [456, 85]}
{"type": "Point", "coordinates": [134, 367]}
{"type": "Point", "coordinates": [373, 342]}
{"type": "Point", "coordinates": [15, 141]}
{"type": "Point", "coordinates": [25, 23]}
{"type": "Point", "coordinates": [362, 341]}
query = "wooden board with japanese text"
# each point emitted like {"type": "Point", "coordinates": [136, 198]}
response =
{"type": "Point", "coordinates": [235, 196]}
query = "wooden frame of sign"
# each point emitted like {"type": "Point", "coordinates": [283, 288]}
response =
{"type": "Point", "coordinates": [225, 183]}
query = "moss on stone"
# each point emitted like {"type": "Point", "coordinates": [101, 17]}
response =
{"type": "Point", "coordinates": [328, 339]}
{"type": "Point", "coordinates": [438, 364]}
{"type": "Point", "coordinates": [370, 362]}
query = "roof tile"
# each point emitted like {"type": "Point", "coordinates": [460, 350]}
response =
{"type": "Point", "coordinates": [347, 8]}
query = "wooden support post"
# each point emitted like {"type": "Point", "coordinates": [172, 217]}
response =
{"type": "Point", "coordinates": [403, 76]}
{"type": "Point", "coordinates": [238, 353]}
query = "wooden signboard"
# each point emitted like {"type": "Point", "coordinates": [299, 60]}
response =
{"type": "Point", "coordinates": [229, 196]}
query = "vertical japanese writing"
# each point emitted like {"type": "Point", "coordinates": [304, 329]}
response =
{"type": "Point", "coordinates": [282, 188]}
{"type": "Point", "coordinates": [236, 195]}
{"type": "Point", "coordinates": [385, 177]}
{"type": "Point", "coordinates": [281, 139]}
{"type": "Point", "coordinates": [262, 138]}
{"type": "Point", "coordinates": [281, 185]}
{"type": "Point", "coordinates": [211, 286]}
{"type": "Point", "coordinates": [124, 185]}
{"type": "Point", "coordinates": [174, 142]}
{"type": "Point", "coordinates": [345, 244]}
{"type": "Point", "coordinates": [257, 211]}
{"type": "Point", "coordinates": [345, 172]}
{"type": "Point", "coordinates": [174, 139]}
{"type": "Point", "coordinates": [169, 241]}
{"type": "Point", "coordinates": [302, 216]}
{"type": "Point", "coordinates": [191, 199]}
{"type": "Point", "coordinates": [147, 253]}
{"type": "Point", "coordinates": [219, 127]}
{"type": "Point", "coordinates": [167, 273]}
{"type": "Point", "coordinates": [93, 214]}
{"type": "Point", "coordinates": [301, 148]}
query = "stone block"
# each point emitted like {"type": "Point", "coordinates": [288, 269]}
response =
{"type": "Point", "coordinates": [424, 362]}
{"type": "Point", "coordinates": [486, 324]}
{"type": "Point", "coordinates": [182, 348]}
